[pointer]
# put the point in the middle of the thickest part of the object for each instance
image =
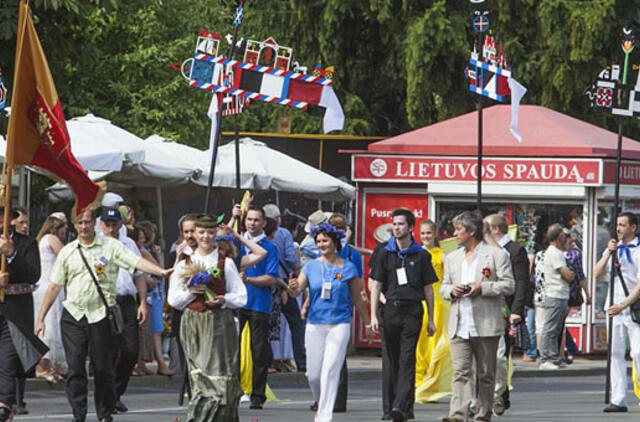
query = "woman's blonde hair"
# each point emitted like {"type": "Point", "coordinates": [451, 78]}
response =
{"type": "Point", "coordinates": [434, 227]}
{"type": "Point", "coordinates": [50, 226]}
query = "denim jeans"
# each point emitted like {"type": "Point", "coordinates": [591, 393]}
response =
{"type": "Point", "coordinates": [553, 312]}
{"type": "Point", "coordinates": [532, 351]}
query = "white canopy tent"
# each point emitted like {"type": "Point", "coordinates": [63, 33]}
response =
{"type": "Point", "coordinates": [264, 168]}
{"type": "Point", "coordinates": [99, 145]}
{"type": "Point", "coordinates": [168, 163]}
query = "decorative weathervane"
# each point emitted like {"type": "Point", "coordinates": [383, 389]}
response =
{"type": "Point", "coordinates": [490, 76]}
{"type": "Point", "coordinates": [488, 72]}
{"type": "Point", "coordinates": [264, 74]}
{"type": "Point", "coordinates": [3, 92]}
{"type": "Point", "coordinates": [612, 92]}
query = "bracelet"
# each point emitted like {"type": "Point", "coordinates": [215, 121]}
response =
{"type": "Point", "coordinates": [367, 325]}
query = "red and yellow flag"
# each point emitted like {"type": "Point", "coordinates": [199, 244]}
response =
{"type": "Point", "coordinates": [37, 134]}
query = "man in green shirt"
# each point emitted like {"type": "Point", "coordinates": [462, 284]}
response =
{"type": "Point", "coordinates": [85, 327]}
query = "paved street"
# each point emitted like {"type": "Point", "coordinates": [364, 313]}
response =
{"type": "Point", "coordinates": [534, 399]}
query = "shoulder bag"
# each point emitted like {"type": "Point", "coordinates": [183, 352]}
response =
{"type": "Point", "coordinates": [635, 306]}
{"type": "Point", "coordinates": [114, 313]}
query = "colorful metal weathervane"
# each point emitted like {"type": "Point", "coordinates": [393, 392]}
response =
{"type": "Point", "coordinates": [612, 92]}
{"type": "Point", "coordinates": [488, 72]}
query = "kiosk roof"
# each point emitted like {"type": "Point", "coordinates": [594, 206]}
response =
{"type": "Point", "coordinates": [545, 133]}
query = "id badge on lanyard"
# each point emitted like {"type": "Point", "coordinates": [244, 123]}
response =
{"type": "Point", "coordinates": [401, 275]}
{"type": "Point", "coordinates": [326, 290]}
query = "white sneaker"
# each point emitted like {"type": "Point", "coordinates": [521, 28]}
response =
{"type": "Point", "coordinates": [548, 365]}
{"type": "Point", "coordinates": [245, 399]}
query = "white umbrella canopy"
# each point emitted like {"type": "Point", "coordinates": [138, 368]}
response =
{"type": "Point", "coordinates": [100, 145]}
{"type": "Point", "coordinates": [263, 168]}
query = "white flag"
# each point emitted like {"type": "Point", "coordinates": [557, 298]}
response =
{"type": "Point", "coordinates": [517, 92]}
{"type": "Point", "coordinates": [333, 115]}
{"type": "Point", "coordinates": [213, 115]}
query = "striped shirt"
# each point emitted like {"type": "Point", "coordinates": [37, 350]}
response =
{"type": "Point", "coordinates": [105, 256]}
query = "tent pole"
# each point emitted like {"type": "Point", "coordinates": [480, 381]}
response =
{"type": "Point", "coordinates": [320, 154]}
{"type": "Point", "coordinates": [237, 141]}
{"type": "Point", "coordinates": [22, 188]}
{"type": "Point", "coordinates": [612, 277]}
{"type": "Point", "coordinates": [160, 215]}
{"type": "Point", "coordinates": [277, 199]}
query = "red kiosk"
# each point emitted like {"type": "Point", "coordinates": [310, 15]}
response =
{"type": "Point", "coordinates": [563, 171]}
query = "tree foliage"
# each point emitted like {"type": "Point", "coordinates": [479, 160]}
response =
{"type": "Point", "coordinates": [399, 64]}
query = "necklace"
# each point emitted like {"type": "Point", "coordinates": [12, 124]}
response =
{"type": "Point", "coordinates": [331, 272]}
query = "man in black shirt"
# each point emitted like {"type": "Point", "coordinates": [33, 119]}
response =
{"type": "Point", "coordinates": [403, 272]}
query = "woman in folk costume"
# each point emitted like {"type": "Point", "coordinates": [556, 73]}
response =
{"type": "Point", "coordinates": [207, 287]}
{"type": "Point", "coordinates": [331, 293]}
{"type": "Point", "coordinates": [433, 361]}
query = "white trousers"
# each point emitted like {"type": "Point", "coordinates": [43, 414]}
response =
{"type": "Point", "coordinates": [623, 326]}
{"type": "Point", "coordinates": [326, 346]}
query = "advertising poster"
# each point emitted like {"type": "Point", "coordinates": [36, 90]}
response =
{"type": "Point", "coordinates": [376, 226]}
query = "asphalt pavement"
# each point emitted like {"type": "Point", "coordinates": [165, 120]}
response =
{"type": "Point", "coordinates": [534, 399]}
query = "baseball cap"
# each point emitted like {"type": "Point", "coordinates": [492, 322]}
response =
{"type": "Point", "coordinates": [271, 211]}
{"type": "Point", "coordinates": [110, 199]}
{"type": "Point", "coordinates": [110, 214]}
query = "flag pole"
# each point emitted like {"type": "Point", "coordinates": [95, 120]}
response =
{"type": "Point", "coordinates": [479, 188]}
{"type": "Point", "coordinates": [614, 261]}
{"type": "Point", "coordinates": [214, 154]}
{"type": "Point", "coordinates": [7, 168]}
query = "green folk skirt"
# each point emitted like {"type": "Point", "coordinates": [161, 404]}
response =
{"type": "Point", "coordinates": [210, 342]}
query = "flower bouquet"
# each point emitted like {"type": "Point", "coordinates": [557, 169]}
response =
{"type": "Point", "coordinates": [197, 273]}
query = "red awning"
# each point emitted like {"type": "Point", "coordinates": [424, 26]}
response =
{"type": "Point", "coordinates": [545, 133]}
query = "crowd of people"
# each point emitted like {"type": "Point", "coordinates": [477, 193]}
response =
{"type": "Point", "coordinates": [448, 323]}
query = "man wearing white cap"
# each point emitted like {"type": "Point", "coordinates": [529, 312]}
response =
{"type": "Point", "coordinates": [112, 200]}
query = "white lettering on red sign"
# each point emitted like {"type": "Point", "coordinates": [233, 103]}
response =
{"type": "Point", "coordinates": [387, 213]}
{"type": "Point", "coordinates": [569, 171]}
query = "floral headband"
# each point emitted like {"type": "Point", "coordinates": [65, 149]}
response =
{"type": "Point", "coordinates": [229, 237]}
{"type": "Point", "coordinates": [328, 229]}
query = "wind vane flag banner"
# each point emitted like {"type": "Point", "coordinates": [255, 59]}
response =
{"type": "Point", "coordinates": [37, 133]}
{"type": "Point", "coordinates": [517, 92]}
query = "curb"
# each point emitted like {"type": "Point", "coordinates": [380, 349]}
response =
{"type": "Point", "coordinates": [288, 378]}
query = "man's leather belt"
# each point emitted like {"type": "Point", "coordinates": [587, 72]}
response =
{"type": "Point", "coordinates": [399, 303]}
{"type": "Point", "coordinates": [14, 289]}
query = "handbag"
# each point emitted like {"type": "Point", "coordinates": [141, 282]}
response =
{"type": "Point", "coordinates": [114, 313]}
{"type": "Point", "coordinates": [635, 306]}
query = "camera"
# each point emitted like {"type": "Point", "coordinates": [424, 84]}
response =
{"type": "Point", "coordinates": [466, 289]}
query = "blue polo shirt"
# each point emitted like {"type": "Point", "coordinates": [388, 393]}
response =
{"type": "Point", "coordinates": [259, 298]}
{"type": "Point", "coordinates": [337, 309]}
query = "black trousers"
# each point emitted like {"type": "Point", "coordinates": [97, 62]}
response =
{"type": "Point", "coordinates": [80, 338]}
{"type": "Point", "coordinates": [291, 312]}
{"type": "Point", "coordinates": [401, 326]}
{"type": "Point", "coordinates": [386, 366]}
{"type": "Point", "coordinates": [9, 365]}
{"type": "Point", "coordinates": [128, 343]}
{"type": "Point", "coordinates": [259, 329]}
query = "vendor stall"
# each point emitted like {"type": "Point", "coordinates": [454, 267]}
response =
{"type": "Point", "coordinates": [563, 171]}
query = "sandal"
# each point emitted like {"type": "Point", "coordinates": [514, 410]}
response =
{"type": "Point", "coordinates": [48, 376]}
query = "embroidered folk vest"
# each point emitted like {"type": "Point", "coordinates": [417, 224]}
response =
{"type": "Point", "coordinates": [217, 285]}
